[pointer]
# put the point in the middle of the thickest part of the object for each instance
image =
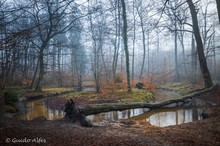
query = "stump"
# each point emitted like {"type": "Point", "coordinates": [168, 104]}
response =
{"type": "Point", "coordinates": [75, 114]}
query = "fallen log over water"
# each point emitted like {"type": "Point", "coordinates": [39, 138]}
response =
{"type": "Point", "coordinates": [100, 108]}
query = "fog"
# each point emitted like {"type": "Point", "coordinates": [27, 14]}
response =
{"type": "Point", "coordinates": [73, 43]}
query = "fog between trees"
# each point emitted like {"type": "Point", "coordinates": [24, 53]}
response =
{"type": "Point", "coordinates": [68, 43]}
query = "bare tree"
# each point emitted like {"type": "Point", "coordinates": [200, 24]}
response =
{"type": "Point", "coordinates": [218, 8]}
{"type": "Point", "coordinates": [140, 12]}
{"type": "Point", "coordinates": [13, 38]}
{"type": "Point", "coordinates": [125, 38]}
{"type": "Point", "coordinates": [172, 13]}
{"type": "Point", "coordinates": [97, 28]}
{"type": "Point", "coordinates": [134, 41]}
{"type": "Point", "coordinates": [117, 40]}
{"type": "Point", "coordinates": [200, 48]}
{"type": "Point", "coordinates": [193, 60]}
{"type": "Point", "coordinates": [47, 17]}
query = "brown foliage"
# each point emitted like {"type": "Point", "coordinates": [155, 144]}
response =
{"type": "Point", "coordinates": [26, 82]}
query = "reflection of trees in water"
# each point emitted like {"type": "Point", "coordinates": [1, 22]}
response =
{"type": "Point", "coordinates": [117, 115]}
{"type": "Point", "coordinates": [194, 114]}
{"type": "Point", "coordinates": [175, 117]}
{"type": "Point", "coordinates": [54, 114]}
{"type": "Point", "coordinates": [36, 109]}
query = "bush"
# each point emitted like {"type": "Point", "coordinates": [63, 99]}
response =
{"type": "Point", "coordinates": [118, 78]}
{"type": "Point", "coordinates": [10, 97]}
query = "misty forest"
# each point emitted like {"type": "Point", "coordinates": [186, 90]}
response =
{"type": "Point", "coordinates": [141, 72]}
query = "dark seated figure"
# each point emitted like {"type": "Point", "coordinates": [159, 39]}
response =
{"type": "Point", "coordinates": [139, 85]}
{"type": "Point", "coordinates": [75, 114]}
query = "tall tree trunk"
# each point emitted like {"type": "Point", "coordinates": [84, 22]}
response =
{"type": "Point", "coordinates": [134, 38]}
{"type": "Point", "coordinates": [194, 61]}
{"type": "Point", "coordinates": [183, 53]}
{"type": "Point", "coordinates": [35, 73]}
{"type": "Point", "coordinates": [218, 8]}
{"type": "Point", "coordinates": [54, 59]}
{"type": "Point", "coordinates": [200, 49]}
{"type": "Point", "coordinates": [144, 47]}
{"type": "Point", "coordinates": [125, 38]}
{"type": "Point", "coordinates": [177, 75]}
{"type": "Point", "coordinates": [214, 55]}
{"type": "Point", "coordinates": [41, 72]}
{"type": "Point", "coordinates": [148, 54]}
{"type": "Point", "coordinates": [60, 82]}
{"type": "Point", "coordinates": [117, 39]}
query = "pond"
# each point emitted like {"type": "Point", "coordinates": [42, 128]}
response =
{"type": "Point", "coordinates": [29, 110]}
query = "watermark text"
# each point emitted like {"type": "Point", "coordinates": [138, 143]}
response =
{"type": "Point", "coordinates": [26, 140]}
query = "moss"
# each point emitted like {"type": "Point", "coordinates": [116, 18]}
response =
{"type": "Point", "coordinates": [56, 90]}
{"type": "Point", "coordinates": [138, 96]}
{"type": "Point", "coordinates": [118, 96]}
{"type": "Point", "coordinates": [181, 88]}
{"type": "Point", "coordinates": [10, 97]}
{"type": "Point", "coordinates": [96, 109]}
{"type": "Point", "coordinates": [87, 94]}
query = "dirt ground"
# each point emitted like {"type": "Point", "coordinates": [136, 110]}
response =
{"type": "Point", "coordinates": [61, 132]}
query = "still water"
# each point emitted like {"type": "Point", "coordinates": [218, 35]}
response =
{"type": "Point", "coordinates": [171, 116]}
{"type": "Point", "coordinates": [29, 110]}
{"type": "Point", "coordinates": [117, 115]}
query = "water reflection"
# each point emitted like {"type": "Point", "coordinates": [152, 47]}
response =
{"type": "Point", "coordinates": [29, 110]}
{"type": "Point", "coordinates": [175, 117]}
{"type": "Point", "coordinates": [35, 109]}
{"type": "Point", "coordinates": [117, 115]}
{"type": "Point", "coordinates": [161, 117]}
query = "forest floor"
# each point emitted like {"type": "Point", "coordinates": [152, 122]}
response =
{"type": "Point", "coordinates": [61, 132]}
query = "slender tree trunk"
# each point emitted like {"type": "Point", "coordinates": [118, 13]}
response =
{"type": "Point", "coordinates": [79, 77]}
{"type": "Point", "coordinates": [148, 54]}
{"type": "Point", "coordinates": [200, 49]}
{"type": "Point", "coordinates": [34, 77]}
{"type": "Point", "coordinates": [104, 63]}
{"type": "Point", "coordinates": [24, 61]}
{"type": "Point", "coordinates": [60, 82]}
{"type": "Point", "coordinates": [144, 47]}
{"type": "Point", "coordinates": [194, 60]}
{"type": "Point", "coordinates": [218, 8]}
{"type": "Point", "coordinates": [214, 55]}
{"type": "Point", "coordinates": [125, 38]}
{"type": "Point", "coordinates": [158, 48]}
{"type": "Point", "coordinates": [176, 54]}
{"type": "Point", "coordinates": [41, 72]}
{"type": "Point", "coordinates": [54, 60]}
{"type": "Point", "coordinates": [134, 38]}
{"type": "Point", "coordinates": [117, 40]}
{"type": "Point", "coordinates": [14, 64]}
{"type": "Point", "coordinates": [181, 39]}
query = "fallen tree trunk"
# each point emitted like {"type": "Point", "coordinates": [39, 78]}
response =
{"type": "Point", "coordinates": [100, 108]}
